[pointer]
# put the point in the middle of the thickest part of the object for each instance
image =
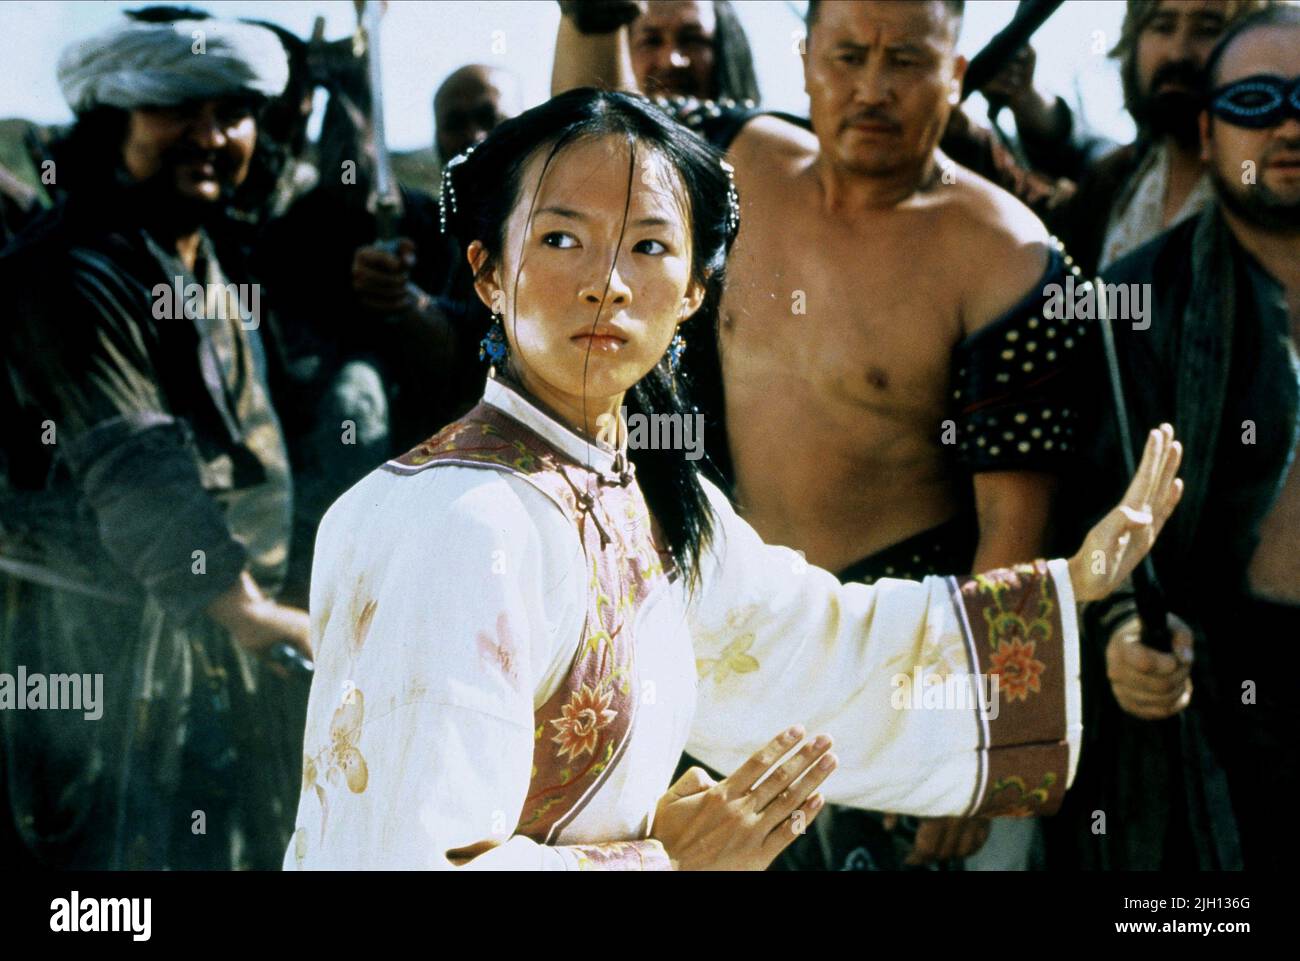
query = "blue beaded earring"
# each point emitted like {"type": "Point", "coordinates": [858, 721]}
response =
{"type": "Point", "coordinates": [493, 347]}
{"type": "Point", "coordinates": [676, 347]}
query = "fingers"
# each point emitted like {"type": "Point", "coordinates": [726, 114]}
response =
{"type": "Point", "coordinates": [382, 258]}
{"type": "Point", "coordinates": [295, 627]}
{"type": "Point", "coordinates": [1182, 640]}
{"type": "Point", "coordinates": [1147, 709]}
{"type": "Point", "coordinates": [1167, 442]}
{"type": "Point", "coordinates": [369, 278]}
{"type": "Point", "coordinates": [1143, 476]}
{"type": "Point", "coordinates": [1164, 444]}
{"type": "Point", "coordinates": [1170, 494]}
{"type": "Point", "coordinates": [1147, 683]}
{"type": "Point", "coordinates": [380, 277]}
{"type": "Point", "coordinates": [378, 281]}
{"type": "Point", "coordinates": [1144, 660]}
{"type": "Point", "coordinates": [786, 802]}
{"type": "Point", "coordinates": [784, 834]}
{"type": "Point", "coordinates": [789, 772]}
{"type": "Point", "coordinates": [1143, 671]}
{"type": "Point", "coordinates": [380, 261]}
{"type": "Point", "coordinates": [931, 841]}
{"type": "Point", "coordinates": [695, 780]}
{"type": "Point", "coordinates": [975, 832]}
{"type": "Point", "coordinates": [742, 780]}
{"type": "Point", "coordinates": [1141, 487]}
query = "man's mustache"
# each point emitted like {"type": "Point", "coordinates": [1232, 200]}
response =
{"type": "Point", "coordinates": [872, 115]}
{"type": "Point", "coordinates": [1182, 72]}
{"type": "Point", "coordinates": [1291, 147]}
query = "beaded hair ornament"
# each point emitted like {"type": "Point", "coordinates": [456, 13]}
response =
{"type": "Point", "coordinates": [447, 192]}
{"type": "Point", "coordinates": [494, 346]}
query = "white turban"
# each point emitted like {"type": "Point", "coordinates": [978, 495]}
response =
{"type": "Point", "coordinates": [137, 64]}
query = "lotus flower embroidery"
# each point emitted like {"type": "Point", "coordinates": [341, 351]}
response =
{"type": "Point", "coordinates": [581, 722]}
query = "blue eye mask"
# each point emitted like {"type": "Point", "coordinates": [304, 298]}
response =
{"type": "Point", "coordinates": [1263, 100]}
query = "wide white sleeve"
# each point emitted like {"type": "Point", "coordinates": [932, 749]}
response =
{"type": "Point", "coordinates": [945, 697]}
{"type": "Point", "coordinates": [442, 604]}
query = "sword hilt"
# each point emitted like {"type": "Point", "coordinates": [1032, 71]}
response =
{"type": "Point", "coordinates": [1153, 611]}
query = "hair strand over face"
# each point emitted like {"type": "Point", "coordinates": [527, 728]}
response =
{"type": "Point", "coordinates": [488, 186]}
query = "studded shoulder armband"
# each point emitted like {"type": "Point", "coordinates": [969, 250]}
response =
{"type": "Point", "coordinates": [1015, 382]}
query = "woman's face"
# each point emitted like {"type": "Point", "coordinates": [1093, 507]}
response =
{"type": "Point", "coordinates": [569, 252]}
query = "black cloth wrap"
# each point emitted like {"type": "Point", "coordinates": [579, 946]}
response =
{"type": "Point", "coordinates": [946, 549]}
{"type": "Point", "coordinates": [1014, 385]}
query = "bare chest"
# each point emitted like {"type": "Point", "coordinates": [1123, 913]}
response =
{"type": "Point", "coordinates": [865, 314]}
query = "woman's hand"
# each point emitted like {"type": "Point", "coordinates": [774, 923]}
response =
{"type": "Point", "coordinates": [733, 825]}
{"type": "Point", "coordinates": [1118, 543]}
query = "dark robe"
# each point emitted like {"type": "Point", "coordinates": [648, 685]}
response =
{"type": "Point", "coordinates": [144, 471]}
{"type": "Point", "coordinates": [1211, 787]}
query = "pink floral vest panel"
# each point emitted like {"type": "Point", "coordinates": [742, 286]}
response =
{"type": "Point", "coordinates": [582, 731]}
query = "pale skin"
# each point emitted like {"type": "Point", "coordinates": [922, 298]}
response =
{"type": "Point", "coordinates": [202, 148]}
{"type": "Point", "coordinates": [892, 268]}
{"type": "Point", "coordinates": [587, 317]}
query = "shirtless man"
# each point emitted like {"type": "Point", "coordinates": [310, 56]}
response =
{"type": "Point", "coordinates": [863, 419]}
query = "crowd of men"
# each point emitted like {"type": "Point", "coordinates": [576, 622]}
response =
{"type": "Point", "coordinates": [207, 341]}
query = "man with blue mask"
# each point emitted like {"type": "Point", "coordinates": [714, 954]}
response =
{"type": "Point", "coordinates": [1219, 359]}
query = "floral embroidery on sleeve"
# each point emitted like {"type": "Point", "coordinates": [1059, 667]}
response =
{"type": "Point", "coordinates": [498, 654]}
{"type": "Point", "coordinates": [1014, 634]}
{"type": "Point", "coordinates": [342, 759]}
{"type": "Point", "coordinates": [581, 721]}
{"type": "Point", "coordinates": [647, 855]}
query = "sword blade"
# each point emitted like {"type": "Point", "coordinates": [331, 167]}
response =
{"type": "Point", "coordinates": [384, 186]}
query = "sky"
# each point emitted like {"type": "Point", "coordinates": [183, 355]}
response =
{"type": "Point", "coordinates": [424, 40]}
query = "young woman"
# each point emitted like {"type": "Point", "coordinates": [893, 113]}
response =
{"type": "Point", "coordinates": [519, 627]}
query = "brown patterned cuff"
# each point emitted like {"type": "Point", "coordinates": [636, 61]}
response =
{"type": "Point", "coordinates": [1014, 627]}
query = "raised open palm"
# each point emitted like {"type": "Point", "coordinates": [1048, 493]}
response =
{"type": "Point", "coordinates": [1123, 537]}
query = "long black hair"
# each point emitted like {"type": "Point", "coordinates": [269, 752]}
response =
{"type": "Point", "coordinates": [733, 61]}
{"type": "Point", "coordinates": [487, 187]}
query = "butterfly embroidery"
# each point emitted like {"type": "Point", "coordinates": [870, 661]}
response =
{"type": "Point", "coordinates": [733, 658]}
{"type": "Point", "coordinates": [342, 760]}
